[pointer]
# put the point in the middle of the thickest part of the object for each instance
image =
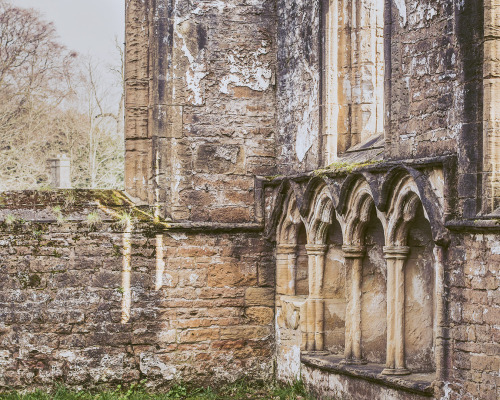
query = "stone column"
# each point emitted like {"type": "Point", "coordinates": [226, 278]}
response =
{"type": "Point", "coordinates": [286, 261]}
{"type": "Point", "coordinates": [303, 326]}
{"type": "Point", "coordinates": [354, 274]}
{"type": "Point", "coordinates": [441, 332]}
{"type": "Point", "coordinates": [315, 303]}
{"type": "Point", "coordinates": [396, 258]}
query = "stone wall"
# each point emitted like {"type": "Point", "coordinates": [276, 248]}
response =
{"type": "Point", "coordinates": [200, 308]}
{"type": "Point", "coordinates": [298, 86]}
{"type": "Point", "coordinates": [207, 126]}
{"type": "Point", "coordinates": [474, 317]}
{"type": "Point", "coordinates": [180, 284]}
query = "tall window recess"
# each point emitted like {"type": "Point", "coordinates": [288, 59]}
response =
{"type": "Point", "coordinates": [491, 107]}
{"type": "Point", "coordinates": [353, 71]}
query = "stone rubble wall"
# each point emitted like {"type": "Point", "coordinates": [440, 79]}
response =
{"type": "Point", "coordinates": [207, 122]}
{"type": "Point", "coordinates": [298, 86]}
{"type": "Point", "coordinates": [62, 288]}
{"type": "Point", "coordinates": [474, 317]}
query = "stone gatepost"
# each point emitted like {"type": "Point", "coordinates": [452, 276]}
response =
{"type": "Point", "coordinates": [60, 172]}
{"type": "Point", "coordinates": [396, 258]}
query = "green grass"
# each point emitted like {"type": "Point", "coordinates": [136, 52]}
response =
{"type": "Point", "coordinates": [239, 390]}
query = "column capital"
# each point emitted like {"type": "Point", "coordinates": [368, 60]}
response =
{"type": "Point", "coordinates": [316, 249]}
{"type": "Point", "coordinates": [353, 251]}
{"type": "Point", "coordinates": [286, 248]}
{"type": "Point", "coordinates": [396, 252]}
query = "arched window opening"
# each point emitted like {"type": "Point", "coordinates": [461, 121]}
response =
{"type": "Point", "coordinates": [301, 271]}
{"type": "Point", "coordinates": [353, 76]}
{"type": "Point", "coordinates": [334, 291]}
{"type": "Point", "coordinates": [419, 299]}
{"type": "Point", "coordinates": [373, 293]}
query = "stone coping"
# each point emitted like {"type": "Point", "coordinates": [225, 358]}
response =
{"type": "Point", "coordinates": [419, 383]}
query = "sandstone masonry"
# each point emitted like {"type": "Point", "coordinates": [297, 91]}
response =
{"type": "Point", "coordinates": [311, 193]}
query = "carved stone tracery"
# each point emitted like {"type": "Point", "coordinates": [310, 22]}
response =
{"type": "Point", "coordinates": [402, 207]}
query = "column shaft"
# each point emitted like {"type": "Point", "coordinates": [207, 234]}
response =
{"type": "Point", "coordinates": [286, 261]}
{"type": "Point", "coordinates": [391, 289]}
{"type": "Point", "coordinates": [319, 325]}
{"type": "Point", "coordinates": [354, 264]}
{"type": "Point", "coordinates": [356, 312]}
{"type": "Point", "coordinates": [315, 304]}
{"type": "Point", "coordinates": [400, 314]}
{"type": "Point", "coordinates": [395, 360]}
{"type": "Point", "coordinates": [440, 338]}
{"type": "Point", "coordinates": [311, 314]}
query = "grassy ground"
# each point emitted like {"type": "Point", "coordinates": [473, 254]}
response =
{"type": "Point", "coordinates": [236, 391]}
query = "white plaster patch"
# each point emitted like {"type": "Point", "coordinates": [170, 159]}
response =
{"type": "Point", "coordinates": [495, 250]}
{"type": "Point", "coordinates": [227, 153]}
{"type": "Point", "coordinates": [277, 327]}
{"type": "Point", "coordinates": [247, 70]}
{"type": "Point", "coordinates": [193, 278]}
{"type": "Point", "coordinates": [69, 355]}
{"type": "Point", "coordinates": [419, 293]}
{"type": "Point", "coordinates": [431, 13]}
{"type": "Point", "coordinates": [307, 135]}
{"type": "Point", "coordinates": [196, 71]}
{"type": "Point", "coordinates": [178, 236]}
{"type": "Point", "coordinates": [401, 5]}
{"type": "Point", "coordinates": [150, 362]}
{"type": "Point", "coordinates": [447, 391]}
{"type": "Point", "coordinates": [168, 280]}
{"type": "Point", "coordinates": [5, 358]}
{"type": "Point", "coordinates": [218, 4]}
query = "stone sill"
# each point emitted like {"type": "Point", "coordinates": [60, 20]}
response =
{"type": "Point", "coordinates": [485, 224]}
{"type": "Point", "coordinates": [418, 383]}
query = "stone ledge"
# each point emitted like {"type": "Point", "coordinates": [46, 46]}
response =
{"type": "Point", "coordinates": [418, 383]}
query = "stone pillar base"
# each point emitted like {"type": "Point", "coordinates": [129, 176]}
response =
{"type": "Point", "coordinates": [354, 361]}
{"type": "Point", "coordinates": [316, 353]}
{"type": "Point", "coordinates": [396, 371]}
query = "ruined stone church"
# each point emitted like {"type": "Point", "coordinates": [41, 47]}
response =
{"type": "Point", "coordinates": [312, 192]}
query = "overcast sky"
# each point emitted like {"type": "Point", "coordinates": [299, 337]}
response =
{"type": "Point", "coordinates": [86, 26]}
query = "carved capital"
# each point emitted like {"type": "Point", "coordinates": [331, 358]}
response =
{"type": "Point", "coordinates": [316, 249]}
{"type": "Point", "coordinates": [353, 251]}
{"type": "Point", "coordinates": [396, 252]}
{"type": "Point", "coordinates": [286, 248]}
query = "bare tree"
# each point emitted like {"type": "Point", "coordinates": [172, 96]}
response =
{"type": "Point", "coordinates": [104, 127]}
{"type": "Point", "coordinates": [53, 102]}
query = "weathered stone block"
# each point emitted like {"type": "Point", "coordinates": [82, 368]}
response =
{"type": "Point", "coordinates": [259, 297]}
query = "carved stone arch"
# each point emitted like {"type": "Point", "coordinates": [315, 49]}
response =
{"type": "Point", "coordinates": [358, 208]}
{"type": "Point", "coordinates": [277, 210]}
{"type": "Point", "coordinates": [423, 189]}
{"type": "Point", "coordinates": [391, 179]}
{"type": "Point", "coordinates": [313, 186]}
{"type": "Point", "coordinates": [411, 274]}
{"type": "Point", "coordinates": [348, 186]}
{"type": "Point", "coordinates": [290, 219]}
{"type": "Point", "coordinates": [320, 216]}
{"type": "Point", "coordinates": [364, 231]}
{"type": "Point", "coordinates": [402, 211]}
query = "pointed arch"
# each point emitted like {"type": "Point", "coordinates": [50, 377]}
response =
{"type": "Point", "coordinates": [434, 213]}
{"type": "Point", "coordinates": [358, 206]}
{"type": "Point", "coordinates": [348, 186]}
{"type": "Point", "coordinates": [290, 219]}
{"type": "Point", "coordinates": [321, 215]}
{"type": "Point", "coordinates": [402, 211]}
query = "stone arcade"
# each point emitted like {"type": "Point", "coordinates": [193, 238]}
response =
{"type": "Point", "coordinates": [312, 191]}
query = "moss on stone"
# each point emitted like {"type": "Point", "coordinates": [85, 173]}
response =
{"type": "Point", "coordinates": [343, 167]}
